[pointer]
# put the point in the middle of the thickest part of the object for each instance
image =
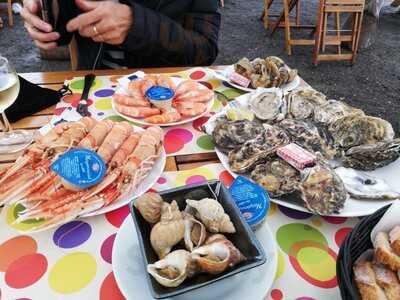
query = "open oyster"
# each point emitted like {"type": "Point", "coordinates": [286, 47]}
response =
{"type": "Point", "coordinates": [308, 135]}
{"type": "Point", "coordinates": [303, 102]}
{"type": "Point", "coordinates": [228, 135]}
{"type": "Point", "coordinates": [244, 158]}
{"type": "Point", "coordinates": [322, 190]}
{"type": "Point", "coordinates": [355, 130]}
{"type": "Point", "coordinates": [173, 269]}
{"type": "Point", "coordinates": [268, 105]}
{"type": "Point", "coordinates": [277, 177]}
{"type": "Point", "coordinates": [244, 67]}
{"type": "Point", "coordinates": [371, 157]}
{"type": "Point", "coordinates": [333, 110]}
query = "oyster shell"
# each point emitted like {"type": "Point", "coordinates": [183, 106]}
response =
{"type": "Point", "coordinates": [355, 130]}
{"type": "Point", "coordinates": [173, 269]}
{"type": "Point", "coordinates": [277, 177]}
{"type": "Point", "coordinates": [244, 67]}
{"type": "Point", "coordinates": [333, 110]}
{"type": "Point", "coordinates": [362, 186]}
{"type": "Point", "coordinates": [371, 157]}
{"type": "Point", "coordinates": [195, 232]}
{"type": "Point", "coordinates": [251, 153]}
{"type": "Point", "coordinates": [309, 136]}
{"type": "Point", "coordinates": [322, 190]}
{"type": "Point", "coordinates": [228, 135]}
{"type": "Point", "coordinates": [169, 231]}
{"type": "Point", "coordinates": [217, 255]}
{"type": "Point", "coordinates": [149, 206]}
{"type": "Point", "coordinates": [302, 103]}
{"type": "Point", "coordinates": [212, 215]}
{"type": "Point", "coordinates": [268, 105]}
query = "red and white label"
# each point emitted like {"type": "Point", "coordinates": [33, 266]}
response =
{"type": "Point", "coordinates": [296, 156]}
{"type": "Point", "coordinates": [239, 79]}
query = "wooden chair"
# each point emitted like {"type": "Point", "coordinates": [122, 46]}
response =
{"type": "Point", "coordinates": [10, 13]}
{"type": "Point", "coordinates": [323, 38]}
{"type": "Point", "coordinates": [265, 16]}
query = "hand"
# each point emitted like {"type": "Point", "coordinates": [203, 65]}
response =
{"type": "Point", "coordinates": [103, 21]}
{"type": "Point", "coordinates": [41, 32]}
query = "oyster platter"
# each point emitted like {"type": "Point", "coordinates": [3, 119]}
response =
{"type": "Point", "coordinates": [354, 157]}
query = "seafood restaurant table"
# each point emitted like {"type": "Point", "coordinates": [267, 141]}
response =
{"type": "Point", "coordinates": [73, 261]}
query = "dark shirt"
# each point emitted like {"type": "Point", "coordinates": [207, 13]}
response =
{"type": "Point", "coordinates": [163, 33]}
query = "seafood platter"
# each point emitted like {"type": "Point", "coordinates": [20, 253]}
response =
{"type": "Point", "coordinates": [161, 99]}
{"type": "Point", "coordinates": [193, 236]}
{"type": "Point", "coordinates": [310, 153]}
{"type": "Point", "coordinates": [270, 72]}
{"type": "Point", "coordinates": [133, 159]}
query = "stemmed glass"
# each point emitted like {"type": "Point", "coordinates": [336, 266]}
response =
{"type": "Point", "coordinates": [10, 140]}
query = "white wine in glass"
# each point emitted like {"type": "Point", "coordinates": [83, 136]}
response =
{"type": "Point", "coordinates": [10, 140]}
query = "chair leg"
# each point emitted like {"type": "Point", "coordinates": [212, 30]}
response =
{"type": "Point", "coordinates": [325, 28]}
{"type": "Point", "coordinates": [358, 33]}
{"type": "Point", "coordinates": [265, 15]}
{"type": "Point", "coordinates": [10, 14]}
{"type": "Point", "coordinates": [287, 27]}
{"type": "Point", "coordinates": [318, 34]}
{"type": "Point", "coordinates": [298, 12]}
{"type": "Point", "coordinates": [338, 28]}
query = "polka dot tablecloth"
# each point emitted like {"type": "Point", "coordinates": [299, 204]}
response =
{"type": "Point", "coordinates": [73, 261]}
{"type": "Point", "coordinates": [179, 140]}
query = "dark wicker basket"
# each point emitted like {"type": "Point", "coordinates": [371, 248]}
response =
{"type": "Point", "coordinates": [356, 243]}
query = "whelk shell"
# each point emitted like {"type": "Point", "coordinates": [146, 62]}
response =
{"type": "Point", "coordinates": [149, 206]}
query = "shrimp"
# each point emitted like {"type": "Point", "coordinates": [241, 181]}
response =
{"type": "Point", "coordinates": [166, 81]}
{"type": "Point", "coordinates": [186, 86]}
{"type": "Point", "coordinates": [148, 82]}
{"type": "Point", "coordinates": [135, 85]}
{"type": "Point", "coordinates": [131, 101]}
{"type": "Point", "coordinates": [137, 111]}
{"type": "Point", "coordinates": [97, 135]}
{"type": "Point", "coordinates": [123, 152]}
{"type": "Point", "coordinates": [167, 117]}
{"type": "Point", "coordinates": [191, 109]}
{"type": "Point", "coordinates": [200, 95]}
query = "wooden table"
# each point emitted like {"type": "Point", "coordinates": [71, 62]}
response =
{"type": "Point", "coordinates": [54, 80]}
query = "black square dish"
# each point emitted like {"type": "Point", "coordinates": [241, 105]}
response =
{"type": "Point", "coordinates": [244, 238]}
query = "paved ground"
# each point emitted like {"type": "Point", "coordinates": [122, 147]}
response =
{"type": "Point", "coordinates": [372, 84]}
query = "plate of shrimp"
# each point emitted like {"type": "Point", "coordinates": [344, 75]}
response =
{"type": "Point", "coordinates": [134, 157]}
{"type": "Point", "coordinates": [191, 100]}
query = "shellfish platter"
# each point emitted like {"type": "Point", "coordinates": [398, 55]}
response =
{"type": "Point", "coordinates": [133, 159]}
{"type": "Point", "coordinates": [193, 236]}
{"type": "Point", "coordinates": [270, 72]}
{"type": "Point", "coordinates": [157, 99]}
{"type": "Point", "coordinates": [355, 156]}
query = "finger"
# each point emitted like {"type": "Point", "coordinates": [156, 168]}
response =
{"type": "Point", "coordinates": [35, 21]}
{"type": "Point", "coordinates": [101, 28]}
{"type": "Point", "coordinates": [46, 46]}
{"type": "Point", "coordinates": [87, 5]}
{"type": "Point", "coordinates": [32, 6]}
{"type": "Point", "coordinates": [41, 36]}
{"type": "Point", "coordinates": [85, 19]}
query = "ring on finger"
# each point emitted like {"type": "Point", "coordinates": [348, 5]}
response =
{"type": "Point", "coordinates": [95, 30]}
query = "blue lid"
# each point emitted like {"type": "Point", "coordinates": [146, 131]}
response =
{"type": "Point", "coordinates": [80, 167]}
{"type": "Point", "coordinates": [157, 92]}
{"type": "Point", "coordinates": [251, 199]}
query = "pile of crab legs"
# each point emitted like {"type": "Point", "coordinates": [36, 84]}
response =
{"type": "Point", "coordinates": [129, 157]}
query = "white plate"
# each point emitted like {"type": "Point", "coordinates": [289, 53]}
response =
{"type": "Point", "coordinates": [130, 275]}
{"type": "Point", "coordinates": [123, 88]}
{"type": "Point", "coordinates": [225, 74]}
{"type": "Point", "coordinates": [146, 184]}
{"type": "Point", "coordinates": [352, 207]}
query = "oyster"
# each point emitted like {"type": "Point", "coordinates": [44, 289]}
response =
{"type": "Point", "coordinates": [302, 103]}
{"type": "Point", "coordinates": [277, 177]}
{"type": "Point", "coordinates": [169, 231]}
{"type": "Point", "coordinates": [333, 110]}
{"type": "Point", "coordinates": [309, 136]}
{"type": "Point", "coordinates": [217, 255]}
{"type": "Point", "coordinates": [149, 206]}
{"type": "Point", "coordinates": [244, 158]}
{"type": "Point", "coordinates": [195, 232]}
{"type": "Point", "coordinates": [268, 105]}
{"type": "Point", "coordinates": [322, 190]}
{"type": "Point", "coordinates": [244, 67]}
{"type": "Point", "coordinates": [228, 135]}
{"type": "Point", "coordinates": [212, 215]}
{"type": "Point", "coordinates": [371, 157]}
{"type": "Point", "coordinates": [355, 130]}
{"type": "Point", "coordinates": [173, 269]}
{"type": "Point", "coordinates": [362, 186]}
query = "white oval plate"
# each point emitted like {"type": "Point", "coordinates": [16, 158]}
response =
{"type": "Point", "coordinates": [146, 184]}
{"type": "Point", "coordinates": [123, 90]}
{"type": "Point", "coordinates": [130, 274]}
{"type": "Point", "coordinates": [224, 75]}
{"type": "Point", "coordinates": [352, 207]}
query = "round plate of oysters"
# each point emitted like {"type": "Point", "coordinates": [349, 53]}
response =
{"type": "Point", "coordinates": [266, 73]}
{"type": "Point", "coordinates": [356, 167]}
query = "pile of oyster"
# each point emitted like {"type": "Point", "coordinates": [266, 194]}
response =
{"type": "Point", "coordinates": [196, 233]}
{"type": "Point", "coordinates": [338, 134]}
{"type": "Point", "coordinates": [269, 72]}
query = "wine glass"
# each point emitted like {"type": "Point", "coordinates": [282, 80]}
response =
{"type": "Point", "coordinates": [10, 140]}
